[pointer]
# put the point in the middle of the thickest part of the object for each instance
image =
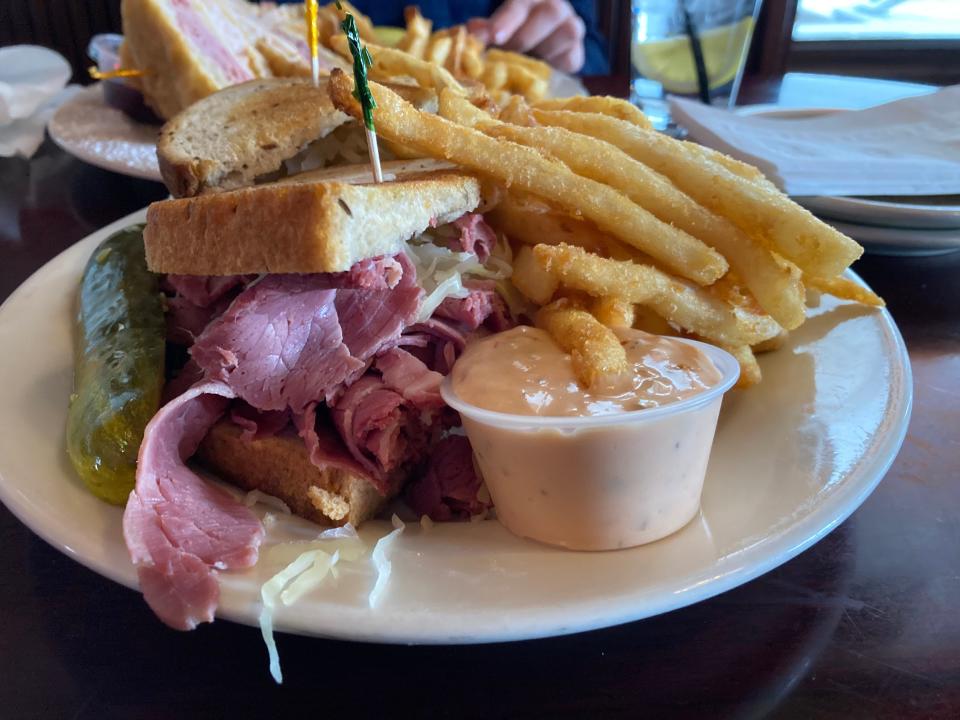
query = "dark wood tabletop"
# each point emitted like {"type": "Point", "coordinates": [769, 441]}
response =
{"type": "Point", "coordinates": [862, 625]}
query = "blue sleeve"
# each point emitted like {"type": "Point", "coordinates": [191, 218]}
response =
{"type": "Point", "coordinates": [596, 61]}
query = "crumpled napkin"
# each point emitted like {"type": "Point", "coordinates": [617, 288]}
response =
{"type": "Point", "coordinates": [32, 86]}
{"type": "Point", "coordinates": [906, 147]}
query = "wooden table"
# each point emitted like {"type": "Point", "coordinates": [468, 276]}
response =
{"type": "Point", "coordinates": [862, 625]}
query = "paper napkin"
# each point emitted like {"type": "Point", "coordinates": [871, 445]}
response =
{"type": "Point", "coordinates": [32, 86]}
{"type": "Point", "coordinates": [906, 147]}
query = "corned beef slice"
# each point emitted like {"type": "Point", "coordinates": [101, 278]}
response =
{"type": "Point", "coordinates": [324, 445]}
{"type": "Point", "coordinates": [405, 374]}
{"type": "Point", "coordinates": [388, 421]}
{"type": "Point", "coordinates": [436, 342]}
{"type": "Point", "coordinates": [483, 306]}
{"type": "Point", "coordinates": [475, 235]}
{"type": "Point", "coordinates": [290, 340]}
{"type": "Point", "coordinates": [380, 273]}
{"type": "Point", "coordinates": [372, 320]}
{"type": "Point", "coordinates": [179, 528]}
{"type": "Point", "coordinates": [258, 424]}
{"type": "Point", "coordinates": [196, 301]}
{"type": "Point", "coordinates": [469, 311]}
{"type": "Point", "coordinates": [279, 344]}
{"type": "Point", "coordinates": [448, 489]}
{"type": "Point", "coordinates": [368, 417]}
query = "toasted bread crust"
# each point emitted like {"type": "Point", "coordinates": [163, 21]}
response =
{"type": "Point", "coordinates": [227, 139]}
{"type": "Point", "coordinates": [280, 466]}
{"type": "Point", "coordinates": [300, 227]}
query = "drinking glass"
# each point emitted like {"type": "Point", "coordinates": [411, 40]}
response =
{"type": "Point", "coordinates": [691, 48]}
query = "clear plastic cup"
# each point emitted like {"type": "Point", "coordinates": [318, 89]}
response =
{"type": "Point", "coordinates": [104, 49]}
{"type": "Point", "coordinates": [600, 482]}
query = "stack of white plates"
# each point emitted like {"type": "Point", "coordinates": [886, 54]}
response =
{"type": "Point", "coordinates": [894, 226]}
{"type": "Point", "coordinates": [884, 226]}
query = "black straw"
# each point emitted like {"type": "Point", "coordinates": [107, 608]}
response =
{"type": "Point", "coordinates": [703, 84]}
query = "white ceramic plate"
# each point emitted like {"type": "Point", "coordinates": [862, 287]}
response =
{"type": "Point", "coordinates": [793, 457]}
{"type": "Point", "coordinates": [928, 214]}
{"type": "Point", "coordinates": [900, 241]}
{"type": "Point", "coordinates": [87, 128]}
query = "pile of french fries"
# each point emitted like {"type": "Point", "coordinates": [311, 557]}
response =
{"type": "Point", "coordinates": [619, 225]}
{"type": "Point", "coordinates": [446, 58]}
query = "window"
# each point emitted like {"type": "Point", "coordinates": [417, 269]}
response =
{"type": "Point", "coordinates": [819, 20]}
{"type": "Point", "coordinates": [914, 40]}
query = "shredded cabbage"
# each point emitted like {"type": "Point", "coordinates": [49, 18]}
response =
{"type": "Point", "coordinates": [441, 271]}
{"type": "Point", "coordinates": [516, 302]}
{"type": "Point", "coordinates": [268, 595]}
{"type": "Point", "coordinates": [343, 539]}
{"type": "Point", "coordinates": [310, 578]}
{"type": "Point", "coordinates": [255, 496]}
{"type": "Point", "coordinates": [380, 562]}
{"type": "Point", "coordinates": [344, 146]}
{"type": "Point", "coordinates": [307, 565]}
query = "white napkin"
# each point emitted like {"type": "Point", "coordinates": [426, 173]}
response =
{"type": "Point", "coordinates": [906, 147]}
{"type": "Point", "coordinates": [32, 81]}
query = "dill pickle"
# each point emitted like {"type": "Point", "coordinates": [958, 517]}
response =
{"type": "Point", "coordinates": [118, 365]}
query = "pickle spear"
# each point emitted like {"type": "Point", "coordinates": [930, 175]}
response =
{"type": "Point", "coordinates": [118, 365]}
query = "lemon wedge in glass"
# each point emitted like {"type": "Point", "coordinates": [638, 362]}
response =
{"type": "Point", "coordinates": [670, 61]}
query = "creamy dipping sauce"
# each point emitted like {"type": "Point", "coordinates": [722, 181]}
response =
{"type": "Point", "coordinates": [524, 372]}
{"type": "Point", "coordinates": [584, 470]}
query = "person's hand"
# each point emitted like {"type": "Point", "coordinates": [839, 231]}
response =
{"type": "Point", "coordinates": [549, 29]}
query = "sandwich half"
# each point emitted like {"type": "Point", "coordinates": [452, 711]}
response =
{"type": "Point", "coordinates": [189, 49]}
{"type": "Point", "coordinates": [258, 131]}
{"type": "Point", "coordinates": [292, 294]}
{"type": "Point", "coordinates": [311, 317]}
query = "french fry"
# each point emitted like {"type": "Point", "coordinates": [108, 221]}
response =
{"type": "Point", "coordinates": [531, 279]}
{"type": "Point", "coordinates": [523, 81]}
{"type": "Point", "coordinates": [527, 169]}
{"type": "Point", "coordinates": [776, 284]}
{"type": "Point", "coordinates": [495, 75]}
{"type": "Point", "coordinates": [604, 105]}
{"type": "Point", "coordinates": [328, 23]}
{"type": "Point", "coordinates": [612, 311]}
{"type": "Point", "coordinates": [390, 63]}
{"type": "Point", "coordinates": [532, 221]}
{"type": "Point", "coordinates": [517, 112]}
{"type": "Point", "coordinates": [364, 26]}
{"type": "Point", "coordinates": [749, 368]}
{"type": "Point", "coordinates": [819, 250]}
{"type": "Point", "coordinates": [594, 348]}
{"type": "Point", "coordinates": [415, 39]}
{"type": "Point", "coordinates": [744, 170]}
{"type": "Point", "coordinates": [681, 303]}
{"type": "Point", "coordinates": [455, 61]}
{"type": "Point", "coordinates": [472, 57]}
{"type": "Point", "coordinates": [536, 67]}
{"type": "Point", "coordinates": [846, 289]}
{"type": "Point", "coordinates": [438, 49]}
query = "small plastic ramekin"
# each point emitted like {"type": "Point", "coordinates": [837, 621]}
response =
{"type": "Point", "coordinates": [600, 482]}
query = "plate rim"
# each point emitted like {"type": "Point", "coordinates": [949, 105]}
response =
{"type": "Point", "coordinates": [907, 238]}
{"type": "Point", "coordinates": [92, 158]}
{"type": "Point", "coordinates": [760, 557]}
